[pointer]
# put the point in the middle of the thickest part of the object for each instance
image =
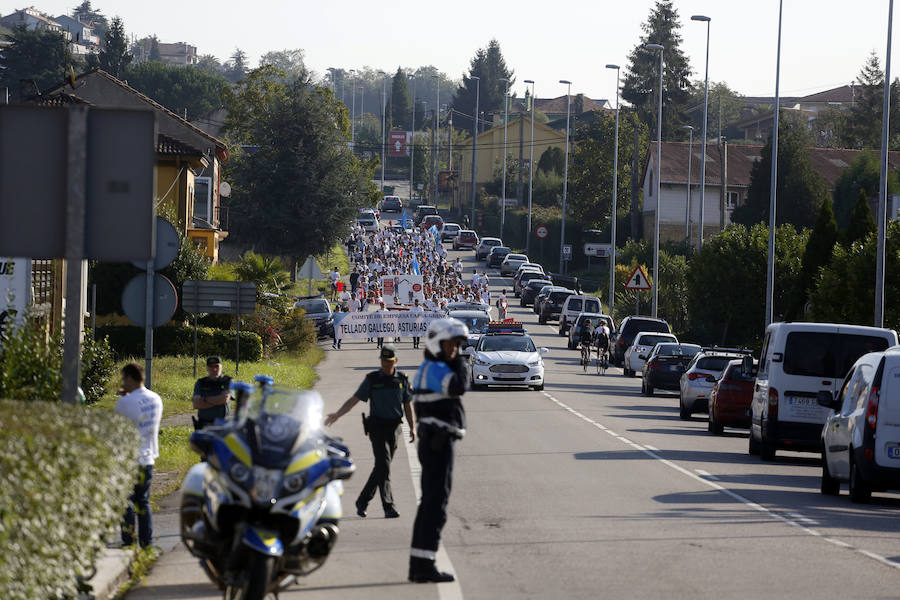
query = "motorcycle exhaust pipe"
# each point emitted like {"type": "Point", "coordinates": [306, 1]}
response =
{"type": "Point", "coordinates": [322, 540]}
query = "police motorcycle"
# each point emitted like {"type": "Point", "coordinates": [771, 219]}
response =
{"type": "Point", "coordinates": [262, 510]}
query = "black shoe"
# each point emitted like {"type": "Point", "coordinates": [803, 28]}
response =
{"type": "Point", "coordinates": [391, 513]}
{"type": "Point", "coordinates": [430, 576]}
{"type": "Point", "coordinates": [360, 510]}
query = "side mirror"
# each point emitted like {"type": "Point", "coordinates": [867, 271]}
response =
{"type": "Point", "coordinates": [711, 379]}
{"type": "Point", "coordinates": [544, 351]}
{"type": "Point", "coordinates": [826, 399]}
{"type": "Point", "coordinates": [467, 351]}
{"type": "Point", "coordinates": [747, 366]}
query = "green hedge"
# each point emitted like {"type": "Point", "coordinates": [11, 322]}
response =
{"type": "Point", "coordinates": [127, 341]}
{"type": "Point", "coordinates": [65, 476]}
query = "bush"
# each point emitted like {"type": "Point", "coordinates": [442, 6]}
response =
{"type": "Point", "coordinates": [127, 341]}
{"type": "Point", "coordinates": [65, 475]}
{"type": "Point", "coordinates": [97, 367]}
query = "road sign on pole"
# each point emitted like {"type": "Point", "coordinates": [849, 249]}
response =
{"type": "Point", "coordinates": [638, 280]}
{"type": "Point", "coordinates": [541, 232]}
{"type": "Point", "coordinates": [397, 143]}
{"type": "Point", "coordinates": [567, 251]}
{"type": "Point", "coordinates": [309, 271]}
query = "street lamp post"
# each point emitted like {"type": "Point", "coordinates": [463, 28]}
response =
{"type": "Point", "coordinates": [503, 187]}
{"type": "Point", "coordinates": [437, 121]}
{"type": "Point", "coordinates": [562, 229]}
{"type": "Point", "coordinates": [412, 139]}
{"type": "Point", "coordinates": [475, 145]}
{"type": "Point", "coordinates": [687, 200]}
{"type": "Point", "coordinates": [353, 111]}
{"type": "Point", "coordinates": [530, 170]}
{"type": "Point", "coordinates": [706, 20]}
{"type": "Point", "coordinates": [770, 269]}
{"type": "Point", "coordinates": [882, 183]}
{"type": "Point", "coordinates": [661, 49]}
{"type": "Point", "coordinates": [613, 212]}
{"type": "Point", "coordinates": [383, 109]}
{"type": "Point", "coordinates": [332, 70]}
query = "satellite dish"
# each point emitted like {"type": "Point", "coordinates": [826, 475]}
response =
{"type": "Point", "coordinates": [224, 189]}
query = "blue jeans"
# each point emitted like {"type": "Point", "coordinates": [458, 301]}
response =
{"type": "Point", "coordinates": [139, 506]}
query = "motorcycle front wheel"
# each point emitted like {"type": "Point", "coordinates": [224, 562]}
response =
{"type": "Point", "coordinates": [255, 580]}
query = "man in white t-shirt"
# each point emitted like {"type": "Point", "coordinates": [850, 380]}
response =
{"type": "Point", "coordinates": [144, 409]}
{"type": "Point", "coordinates": [334, 276]}
{"type": "Point", "coordinates": [416, 308]}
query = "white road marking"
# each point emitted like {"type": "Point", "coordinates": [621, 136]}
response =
{"type": "Point", "coordinates": [706, 474]}
{"type": "Point", "coordinates": [446, 591]}
{"type": "Point", "coordinates": [649, 447]}
{"type": "Point", "coordinates": [803, 519]}
{"type": "Point", "coordinates": [705, 478]}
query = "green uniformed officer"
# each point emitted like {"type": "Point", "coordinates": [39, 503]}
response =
{"type": "Point", "coordinates": [388, 390]}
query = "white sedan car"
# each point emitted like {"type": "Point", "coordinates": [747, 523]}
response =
{"type": "Point", "coordinates": [507, 358]}
{"type": "Point", "coordinates": [637, 353]}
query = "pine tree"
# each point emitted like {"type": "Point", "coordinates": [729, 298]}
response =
{"type": "Point", "coordinates": [399, 101]}
{"type": "Point", "coordinates": [641, 83]}
{"type": "Point", "coordinates": [236, 67]}
{"type": "Point", "coordinates": [816, 255]}
{"type": "Point", "coordinates": [40, 56]}
{"type": "Point", "coordinates": [861, 221]}
{"type": "Point", "coordinates": [490, 67]}
{"type": "Point", "coordinates": [114, 58]}
{"type": "Point", "coordinates": [864, 122]}
{"type": "Point", "coordinates": [154, 49]}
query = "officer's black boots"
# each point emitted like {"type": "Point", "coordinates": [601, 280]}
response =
{"type": "Point", "coordinates": [391, 513]}
{"type": "Point", "coordinates": [360, 509]}
{"type": "Point", "coordinates": [422, 570]}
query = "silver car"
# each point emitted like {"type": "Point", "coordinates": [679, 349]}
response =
{"type": "Point", "coordinates": [695, 388]}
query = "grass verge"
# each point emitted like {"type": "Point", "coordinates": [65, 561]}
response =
{"type": "Point", "coordinates": [142, 561]}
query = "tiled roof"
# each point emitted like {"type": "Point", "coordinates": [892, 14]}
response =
{"type": "Point", "coordinates": [61, 99]}
{"type": "Point", "coordinates": [827, 162]}
{"type": "Point", "coordinates": [558, 105]}
{"type": "Point", "coordinates": [169, 145]}
{"type": "Point", "coordinates": [839, 94]}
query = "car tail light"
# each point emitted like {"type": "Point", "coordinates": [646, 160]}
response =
{"type": "Point", "coordinates": [872, 407]}
{"type": "Point", "coordinates": [696, 375]}
{"type": "Point", "coordinates": [653, 365]}
{"type": "Point", "coordinates": [773, 403]}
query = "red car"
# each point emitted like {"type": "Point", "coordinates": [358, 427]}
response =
{"type": "Point", "coordinates": [730, 400]}
{"type": "Point", "coordinates": [465, 239]}
{"type": "Point", "coordinates": [430, 220]}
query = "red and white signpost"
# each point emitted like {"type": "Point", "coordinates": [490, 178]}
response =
{"type": "Point", "coordinates": [397, 143]}
{"type": "Point", "coordinates": [638, 282]}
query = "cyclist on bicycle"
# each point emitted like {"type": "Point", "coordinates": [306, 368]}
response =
{"type": "Point", "coordinates": [587, 339]}
{"type": "Point", "coordinates": [601, 339]}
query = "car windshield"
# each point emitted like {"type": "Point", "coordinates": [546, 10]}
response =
{"type": "Point", "coordinates": [638, 325]}
{"type": "Point", "coordinates": [822, 354]}
{"type": "Point", "coordinates": [513, 343]}
{"type": "Point", "coordinates": [501, 250]}
{"type": "Point", "coordinates": [491, 242]}
{"type": "Point", "coordinates": [652, 340]}
{"type": "Point", "coordinates": [678, 350]}
{"type": "Point", "coordinates": [512, 257]}
{"type": "Point", "coordinates": [538, 284]}
{"type": "Point", "coordinates": [714, 363]}
{"type": "Point", "coordinates": [313, 306]}
{"type": "Point", "coordinates": [475, 324]}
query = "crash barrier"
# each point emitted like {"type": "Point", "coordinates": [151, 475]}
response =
{"type": "Point", "coordinates": [127, 340]}
{"type": "Point", "coordinates": [65, 475]}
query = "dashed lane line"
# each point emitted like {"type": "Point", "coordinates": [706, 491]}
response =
{"type": "Point", "coordinates": [705, 478]}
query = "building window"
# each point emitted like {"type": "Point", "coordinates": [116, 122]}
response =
{"type": "Point", "coordinates": [731, 200]}
{"type": "Point", "coordinates": [203, 200]}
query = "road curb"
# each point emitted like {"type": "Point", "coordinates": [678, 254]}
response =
{"type": "Point", "coordinates": [113, 570]}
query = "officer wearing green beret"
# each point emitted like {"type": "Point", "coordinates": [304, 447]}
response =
{"type": "Point", "coordinates": [387, 390]}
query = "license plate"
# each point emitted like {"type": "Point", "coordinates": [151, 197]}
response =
{"type": "Point", "coordinates": [800, 401]}
{"type": "Point", "coordinates": [673, 367]}
{"type": "Point", "coordinates": [893, 451]}
{"type": "Point", "coordinates": [264, 483]}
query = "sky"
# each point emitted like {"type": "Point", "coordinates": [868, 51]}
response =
{"type": "Point", "coordinates": [824, 42]}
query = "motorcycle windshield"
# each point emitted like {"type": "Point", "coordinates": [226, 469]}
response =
{"type": "Point", "coordinates": [285, 420]}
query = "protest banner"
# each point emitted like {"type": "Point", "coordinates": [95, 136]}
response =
{"type": "Point", "coordinates": [384, 324]}
{"type": "Point", "coordinates": [407, 288]}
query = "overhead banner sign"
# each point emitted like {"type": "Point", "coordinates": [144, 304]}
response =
{"type": "Point", "coordinates": [397, 141]}
{"type": "Point", "coordinates": [391, 323]}
{"type": "Point", "coordinates": [408, 288]}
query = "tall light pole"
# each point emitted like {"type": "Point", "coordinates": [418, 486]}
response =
{"type": "Point", "coordinates": [503, 187]}
{"type": "Point", "coordinates": [475, 145]}
{"type": "Point", "coordinates": [437, 122]}
{"type": "Point", "coordinates": [332, 70]}
{"type": "Point", "coordinates": [661, 49]}
{"type": "Point", "coordinates": [613, 213]}
{"type": "Point", "coordinates": [770, 269]}
{"type": "Point", "coordinates": [383, 110]}
{"type": "Point", "coordinates": [530, 170]}
{"type": "Point", "coordinates": [412, 139]}
{"type": "Point", "coordinates": [687, 200]}
{"type": "Point", "coordinates": [353, 111]}
{"type": "Point", "coordinates": [562, 228]}
{"type": "Point", "coordinates": [706, 20]}
{"type": "Point", "coordinates": [882, 182]}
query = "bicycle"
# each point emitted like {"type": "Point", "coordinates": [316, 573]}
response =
{"type": "Point", "coordinates": [602, 361]}
{"type": "Point", "coordinates": [585, 356]}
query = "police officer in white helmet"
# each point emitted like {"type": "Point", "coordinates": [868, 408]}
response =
{"type": "Point", "coordinates": [437, 389]}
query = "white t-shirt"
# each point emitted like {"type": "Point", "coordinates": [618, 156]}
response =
{"type": "Point", "coordinates": [334, 276]}
{"type": "Point", "coordinates": [144, 408]}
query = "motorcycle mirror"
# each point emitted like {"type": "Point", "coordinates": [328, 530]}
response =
{"type": "Point", "coordinates": [341, 468]}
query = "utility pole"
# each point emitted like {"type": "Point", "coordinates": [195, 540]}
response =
{"type": "Point", "coordinates": [475, 145]}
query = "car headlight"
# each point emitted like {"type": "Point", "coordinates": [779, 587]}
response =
{"type": "Point", "coordinates": [294, 483]}
{"type": "Point", "coordinates": [535, 363]}
{"type": "Point", "coordinates": [481, 363]}
{"type": "Point", "coordinates": [240, 472]}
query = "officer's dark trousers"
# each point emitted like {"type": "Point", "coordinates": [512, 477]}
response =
{"type": "Point", "coordinates": [383, 434]}
{"type": "Point", "coordinates": [436, 450]}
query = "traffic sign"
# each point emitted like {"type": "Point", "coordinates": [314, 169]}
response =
{"type": "Point", "coordinates": [541, 232]}
{"type": "Point", "coordinates": [397, 143]}
{"type": "Point", "coordinates": [598, 250]}
{"type": "Point", "coordinates": [638, 280]}
{"type": "Point", "coordinates": [134, 300]}
{"type": "Point", "coordinates": [310, 269]}
{"type": "Point", "coordinates": [567, 251]}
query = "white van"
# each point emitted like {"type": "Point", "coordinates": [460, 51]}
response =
{"type": "Point", "coordinates": [799, 360]}
{"type": "Point", "coordinates": [861, 438]}
{"type": "Point", "coordinates": [574, 306]}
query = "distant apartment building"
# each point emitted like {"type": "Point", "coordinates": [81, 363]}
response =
{"type": "Point", "coordinates": [33, 20]}
{"type": "Point", "coordinates": [178, 53]}
{"type": "Point", "coordinates": [80, 36]}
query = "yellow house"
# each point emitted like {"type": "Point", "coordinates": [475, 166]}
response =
{"type": "Point", "coordinates": [490, 150]}
{"type": "Point", "coordinates": [188, 159]}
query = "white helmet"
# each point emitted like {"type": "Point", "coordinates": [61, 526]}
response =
{"type": "Point", "coordinates": [447, 328]}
